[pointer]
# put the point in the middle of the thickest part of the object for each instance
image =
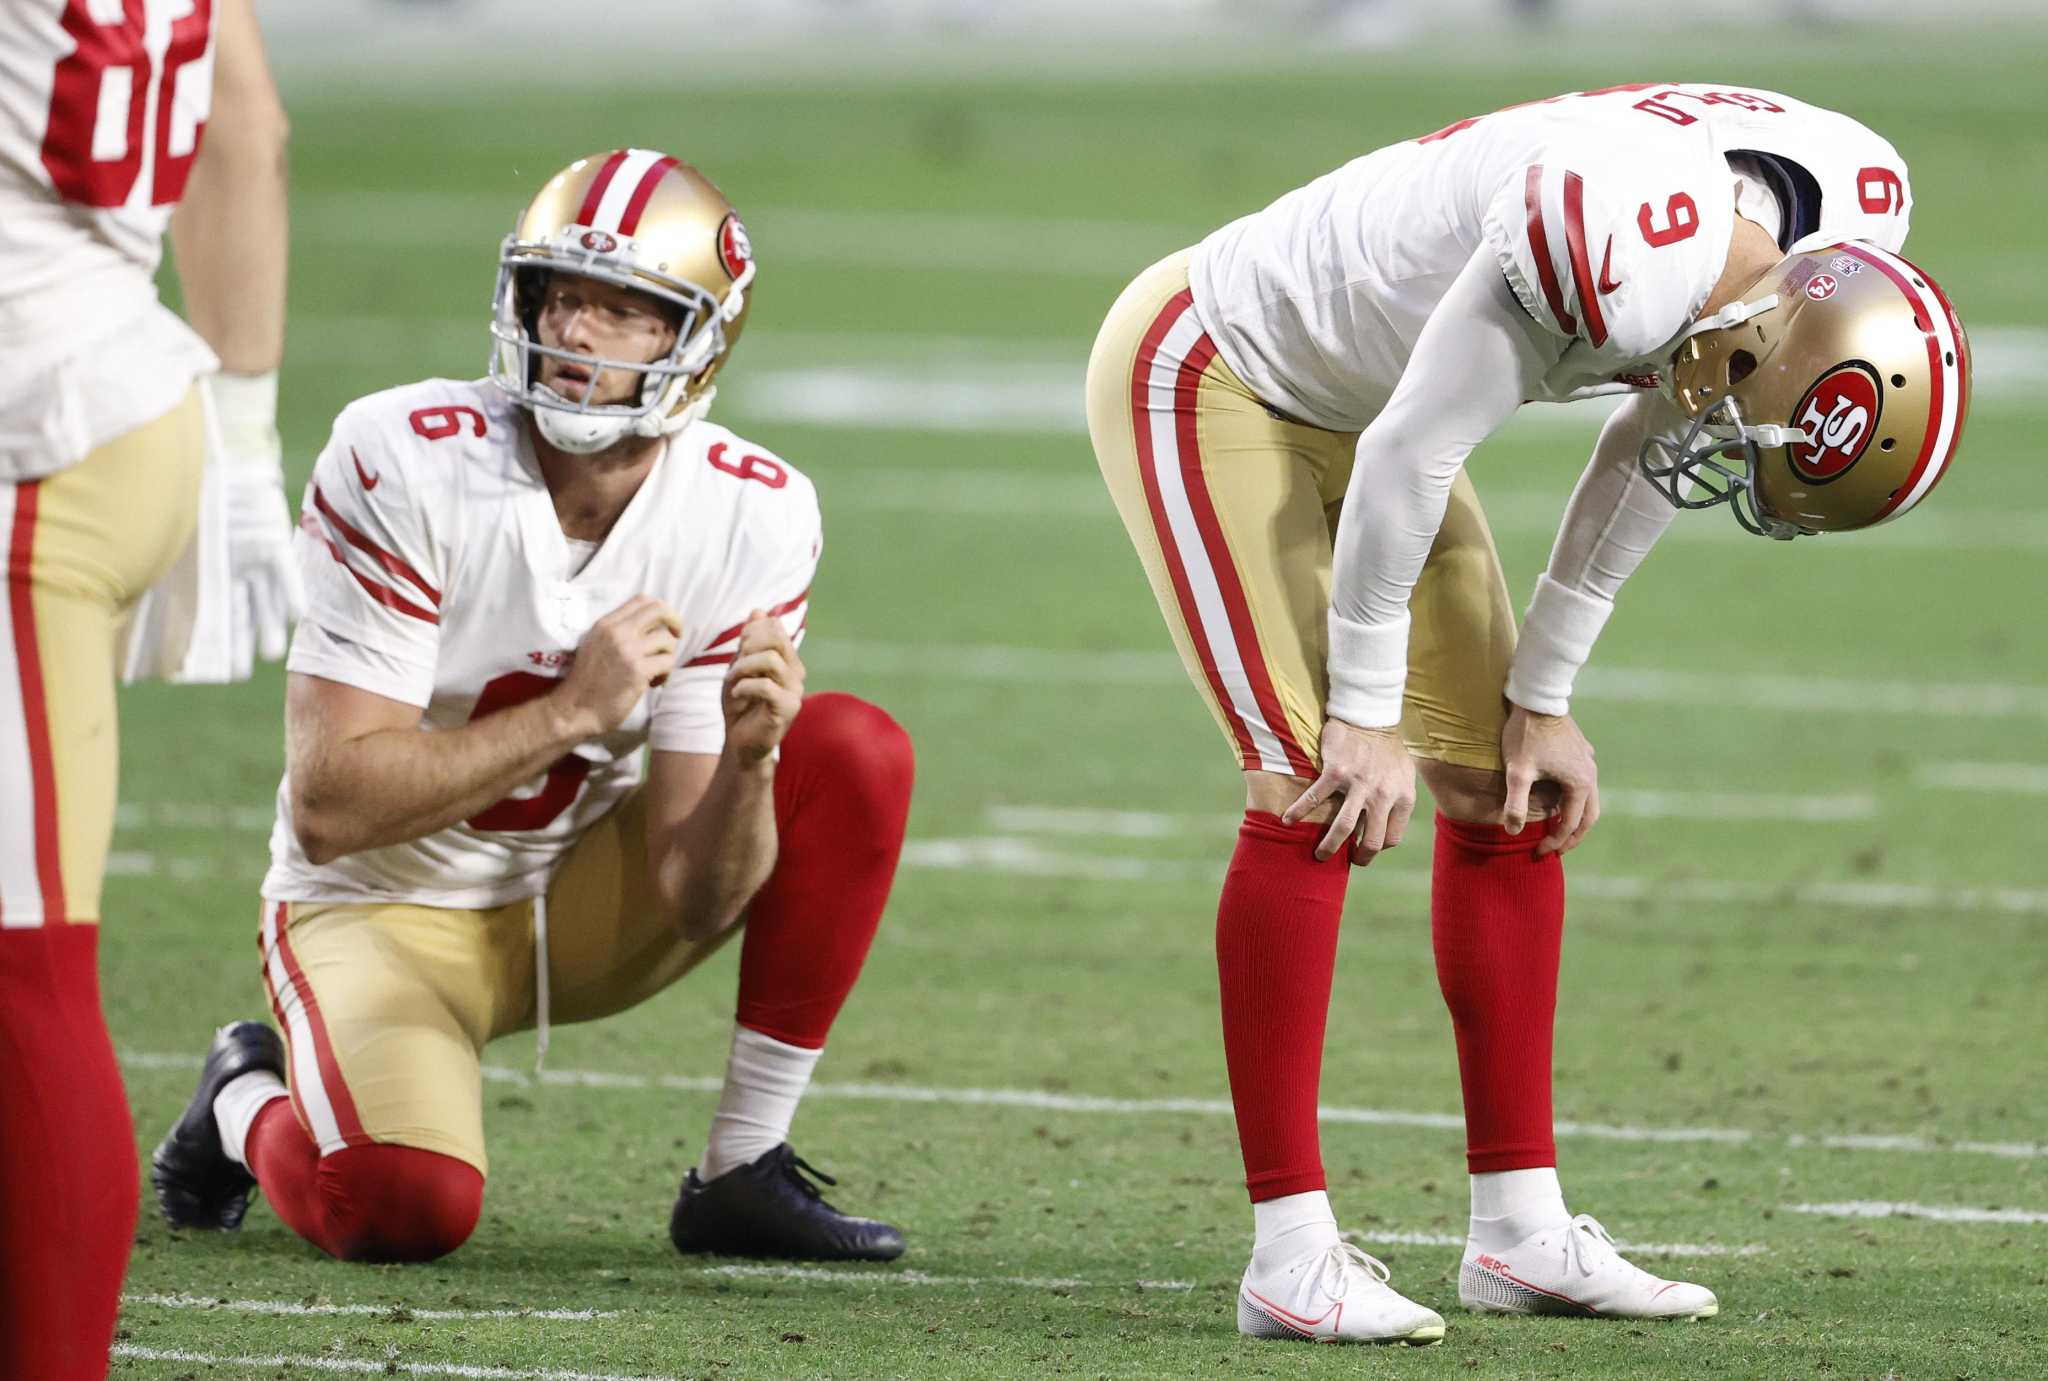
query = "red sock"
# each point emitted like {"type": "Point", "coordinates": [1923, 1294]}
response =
{"type": "Point", "coordinates": [68, 1180]}
{"type": "Point", "coordinates": [1497, 920]}
{"type": "Point", "coordinates": [1276, 952]}
{"type": "Point", "coordinates": [842, 795]}
{"type": "Point", "coordinates": [366, 1203]}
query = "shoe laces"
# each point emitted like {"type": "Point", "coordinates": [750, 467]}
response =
{"type": "Point", "coordinates": [1588, 1246]}
{"type": "Point", "coordinates": [796, 1168]}
{"type": "Point", "coordinates": [1334, 1273]}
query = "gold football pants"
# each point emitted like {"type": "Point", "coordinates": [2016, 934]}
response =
{"type": "Point", "coordinates": [1234, 508]}
{"type": "Point", "coordinates": [78, 548]}
{"type": "Point", "coordinates": [387, 1008]}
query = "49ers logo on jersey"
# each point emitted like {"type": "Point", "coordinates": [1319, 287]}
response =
{"type": "Point", "coordinates": [735, 250]}
{"type": "Point", "coordinates": [1839, 416]}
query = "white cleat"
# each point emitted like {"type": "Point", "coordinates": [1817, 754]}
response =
{"type": "Point", "coordinates": [1575, 1269]}
{"type": "Point", "coordinates": [1335, 1295]}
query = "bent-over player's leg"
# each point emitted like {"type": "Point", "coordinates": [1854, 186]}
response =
{"type": "Point", "coordinates": [76, 550]}
{"type": "Point", "coordinates": [1226, 503]}
{"type": "Point", "coordinates": [842, 798]}
{"type": "Point", "coordinates": [1497, 927]}
{"type": "Point", "coordinates": [375, 1151]}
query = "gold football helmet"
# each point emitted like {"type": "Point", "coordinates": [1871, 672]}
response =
{"type": "Point", "coordinates": [1838, 385]}
{"type": "Point", "coordinates": [639, 219]}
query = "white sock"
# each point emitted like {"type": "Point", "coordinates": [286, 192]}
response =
{"type": "Point", "coordinates": [764, 1081]}
{"type": "Point", "coordinates": [235, 1108]}
{"type": "Point", "coordinates": [1292, 1225]}
{"type": "Point", "coordinates": [1510, 1206]}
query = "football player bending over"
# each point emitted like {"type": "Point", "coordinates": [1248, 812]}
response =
{"type": "Point", "coordinates": [143, 532]}
{"type": "Point", "coordinates": [1283, 415]}
{"type": "Point", "coordinates": [515, 585]}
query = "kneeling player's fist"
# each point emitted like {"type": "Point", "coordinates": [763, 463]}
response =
{"type": "Point", "coordinates": [628, 650]}
{"type": "Point", "coordinates": [763, 690]}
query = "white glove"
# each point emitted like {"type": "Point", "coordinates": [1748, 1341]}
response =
{"type": "Point", "coordinates": [266, 595]}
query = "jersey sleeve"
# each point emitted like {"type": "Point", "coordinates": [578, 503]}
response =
{"type": "Point", "coordinates": [773, 566]}
{"type": "Point", "coordinates": [372, 573]}
{"type": "Point", "coordinates": [1615, 516]}
{"type": "Point", "coordinates": [1475, 361]}
{"type": "Point", "coordinates": [1617, 259]}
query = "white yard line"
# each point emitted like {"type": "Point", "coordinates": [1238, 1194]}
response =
{"type": "Point", "coordinates": [2017, 778]}
{"type": "Point", "coordinates": [1869, 1208]}
{"type": "Point", "coordinates": [823, 1276]}
{"type": "Point", "coordinates": [1022, 857]}
{"type": "Point", "coordinates": [1447, 1239]}
{"type": "Point", "coordinates": [1092, 823]}
{"type": "Point", "coordinates": [294, 1308]}
{"type": "Point", "coordinates": [348, 1366]}
{"type": "Point", "coordinates": [1039, 1100]}
{"type": "Point", "coordinates": [1028, 858]}
{"type": "Point", "coordinates": [1629, 685]}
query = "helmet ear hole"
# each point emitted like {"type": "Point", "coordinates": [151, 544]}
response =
{"type": "Point", "coordinates": [1741, 364]}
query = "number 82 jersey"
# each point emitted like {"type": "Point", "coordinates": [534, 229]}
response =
{"type": "Point", "coordinates": [102, 107]}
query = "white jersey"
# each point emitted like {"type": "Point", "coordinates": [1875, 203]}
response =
{"type": "Point", "coordinates": [437, 574]}
{"type": "Point", "coordinates": [102, 104]}
{"type": "Point", "coordinates": [1610, 214]}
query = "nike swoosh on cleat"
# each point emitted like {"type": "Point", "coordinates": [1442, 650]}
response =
{"type": "Point", "coordinates": [369, 480]}
{"type": "Point", "coordinates": [1606, 285]}
{"type": "Point", "coordinates": [1300, 1323]}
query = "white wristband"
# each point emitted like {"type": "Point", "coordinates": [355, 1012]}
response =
{"type": "Point", "coordinates": [1368, 670]}
{"type": "Point", "coordinates": [245, 405]}
{"type": "Point", "coordinates": [1558, 634]}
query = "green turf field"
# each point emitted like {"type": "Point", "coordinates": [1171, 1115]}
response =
{"type": "Point", "coordinates": [1805, 956]}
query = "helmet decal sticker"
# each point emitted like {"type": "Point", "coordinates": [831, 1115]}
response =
{"type": "Point", "coordinates": [735, 250]}
{"type": "Point", "coordinates": [1845, 265]}
{"type": "Point", "coordinates": [1839, 415]}
{"type": "Point", "coordinates": [1821, 286]}
{"type": "Point", "coordinates": [597, 242]}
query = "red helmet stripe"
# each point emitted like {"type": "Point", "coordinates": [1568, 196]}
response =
{"type": "Point", "coordinates": [587, 213]}
{"type": "Point", "coordinates": [1539, 245]}
{"type": "Point", "coordinates": [1582, 266]}
{"type": "Point", "coordinates": [629, 219]}
{"type": "Point", "coordinates": [1944, 381]}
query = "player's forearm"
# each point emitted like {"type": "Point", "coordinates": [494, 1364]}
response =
{"type": "Point", "coordinates": [719, 857]}
{"type": "Point", "coordinates": [1466, 377]}
{"type": "Point", "coordinates": [1613, 519]}
{"type": "Point", "coordinates": [396, 785]}
{"type": "Point", "coordinates": [229, 233]}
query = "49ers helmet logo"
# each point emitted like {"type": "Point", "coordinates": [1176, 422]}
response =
{"type": "Point", "coordinates": [597, 242]}
{"type": "Point", "coordinates": [735, 250]}
{"type": "Point", "coordinates": [1839, 415]}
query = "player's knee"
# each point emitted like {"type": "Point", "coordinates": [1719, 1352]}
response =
{"type": "Point", "coordinates": [399, 1203]}
{"type": "Point", "coordinates": [857, 744]}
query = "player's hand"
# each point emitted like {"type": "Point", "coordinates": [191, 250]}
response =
{"type": "Point", "coordinates": [265, 590]}
{"type": "Point", "coordinates": [763, 689]}
{"type": "Point", "coordinates": [625, 652]}
{"type": "Point", "coordinates": [1371, 770]}
{"type": "Point", "coordinates": [1550, 748]}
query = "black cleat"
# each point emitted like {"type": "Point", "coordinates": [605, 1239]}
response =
{"type": "Point", "coordinates": [771, 1208]}
{"type": "Point", "coordinates": [197, 1186]}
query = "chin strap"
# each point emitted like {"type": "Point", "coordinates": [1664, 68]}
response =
{"type": "Point", "coordinates": [1734, 314]}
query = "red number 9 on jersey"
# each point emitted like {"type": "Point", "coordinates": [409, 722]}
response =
{"type": "Point", "coordinates": [1683, 214]}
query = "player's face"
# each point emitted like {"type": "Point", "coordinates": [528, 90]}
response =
{"type": "Point", "coordinates": [597, 318]}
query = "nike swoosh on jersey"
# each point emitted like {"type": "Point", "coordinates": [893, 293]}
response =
{"type": "Point", "coordinates": [1606, 284]}
{"type": "Point", "coordinates": [369, 480]}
